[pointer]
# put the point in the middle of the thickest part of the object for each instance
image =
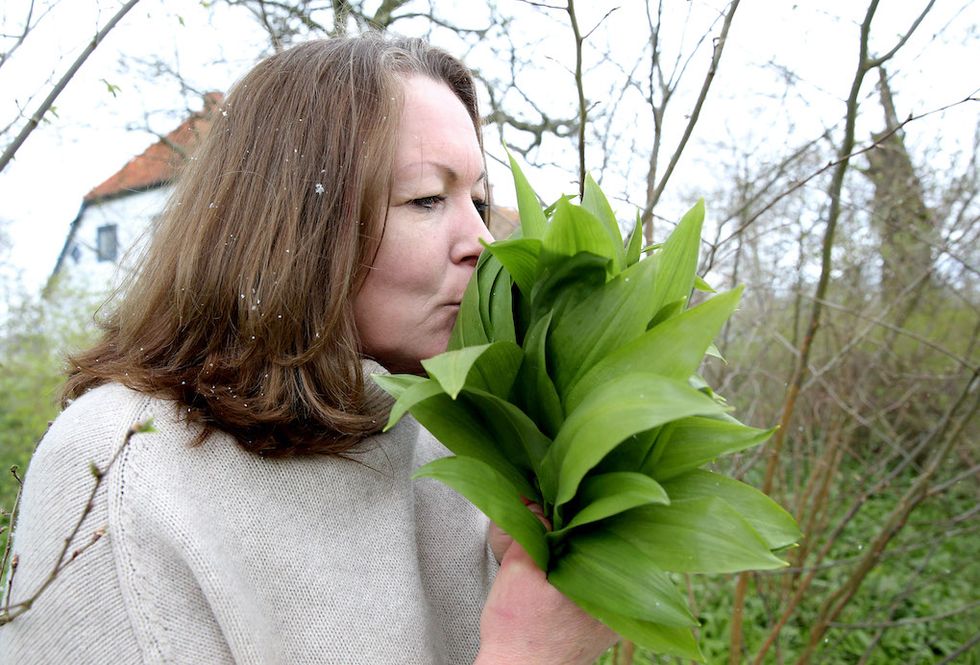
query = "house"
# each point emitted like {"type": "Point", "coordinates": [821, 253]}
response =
{"type": "Point", "coordinates": [117, 215]}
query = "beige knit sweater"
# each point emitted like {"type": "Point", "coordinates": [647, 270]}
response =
{"type": "Point", "coordinates": [214, 555]}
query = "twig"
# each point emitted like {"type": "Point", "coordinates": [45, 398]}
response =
{"type": "Point", "coordinates": [583, 110]}
{"type": "Point", "coordinates": [11, 612]}
{"type": "Point", "coordinates": [966, 646]}
{"type": "Point", "coordinates": [13, 518]}
{"type": "Point", "coordinates": [891, 553]}
{"type": "Point", "coordinates": [719, 45]}
{"type": "Point", "coordinates": [841, 159]}
{"type": "Point", "coordinates": [893, 523]}
{"type": "Point", "coordinates": [599, 22]}
{"type": "Point", "coordinates": [9, 536]}
{"type": "Point", "coordinates": [856, 505]}
{"type": "Point", "coordinates": [879, 61]}
{"type": "Point", "coordinates": [939, 489]}
{"type": "Point", "coordinates": [35, 119]}
{"type": "Point", "coordinates": [908, 621]}
{"type": "Point", "coordinates": [966, 364]}
{"type": "Point", "coordinates": [897, 600]}
{"type": "Point", "coordinates": [541, 4]}
{"type": "Point", "coordinates": [21, 37]}
{"type": "Point", "coordinates": [800, 369]}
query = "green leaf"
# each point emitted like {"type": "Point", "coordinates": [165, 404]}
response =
{"type": "Point", "coordinates": [408, 395]}
{"type": "Point", "coordinates": [459, 429]}
{"type": "Point", "coordinates": [686, 444]}
{"type": "Point", "coordinates": [612, 412]}
{"type": "Point", "coordinates": [396, 384]}
{"type": "Point", "coordinates": [520, 258]}
{"type": "Point", "coordinates": [697, 382]}
{"type": "Point", "coordinates": [112, 88]}
{"type": "Point", "coordinates": [573, 230]}
{"type": "Point", "coordinates": [702, 285]}
{"type": "Point", "coordinates": [487, 273]}
{"type": "Point", "coordinates": [468, 330]}
{"type": "Point", "coordinates": [635, 242]}
{"type": "Point", "coordinates": [605, 570]}
{"type": "Point", "coordinates": [700, 535]}
{"type": "Point", "coordinates": [533, 222]}
{"type": "Point", "coordinates": [601, 322]}
{"type": "Point", "coordinates": [516, 434]}
{"type": "Point", "coordinates": [535, 392]}
{"type": "Point", "coordinates": [608, 494]}
{"type": "Point", "coordinates": [594, 201]}
{"type": "Point", "coordinates": [502, 308]}
{"type": "Point", "coordinates": [679, 259]}
{"type": "Point", "coordinates": [631, 453]}
{"type": "Point", "coordinates": [145, 427]}
{"type": "Point", "coordinates": [495, 497]}
{"type": "Point", "coordinates": [567, 281]}
{"type": "Point", "coordinates": [491, 367]}
{"type": "Point", "coordinates": [566, 198]}
{"type": "Point", "coordinates": [674, 348]}
{"type": "Point", "coordinates": [713, 351]}
{"type": "Point", "coordinates": [667, 640]}
{"type": "Point", "coordinates": [668, 311]}
{"type": "Point", "coordinates": [776, 526]}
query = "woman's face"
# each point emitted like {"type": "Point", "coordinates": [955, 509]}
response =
{"type": "Point", "coordinates": [408, 303]}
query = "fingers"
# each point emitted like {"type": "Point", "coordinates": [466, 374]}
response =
{"type": "Point", "coordinates": [527, 620]}
{"type": "Point", "coordinates": [500, 541]}
{"type": "Point", "coordinates": [539, 513]}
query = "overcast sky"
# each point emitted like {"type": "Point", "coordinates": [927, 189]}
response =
{"type": "Point", "coordinates": [97, 130]}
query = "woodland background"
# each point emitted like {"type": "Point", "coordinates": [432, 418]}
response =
{"type": "Point", "coordinates": [850, 215]}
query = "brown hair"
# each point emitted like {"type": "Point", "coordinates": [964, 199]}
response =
{"type": "Point", "coordinates": [242, 310]}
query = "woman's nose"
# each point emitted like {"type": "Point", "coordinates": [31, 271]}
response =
{"type": "Point", "coordinates": [470, 229]}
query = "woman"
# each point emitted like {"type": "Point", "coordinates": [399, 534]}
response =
{"type": "Point", "coordinates": [325, 232]}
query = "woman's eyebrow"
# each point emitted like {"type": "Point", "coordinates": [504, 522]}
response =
{"type": "Point", "coordinates": [449, 172]}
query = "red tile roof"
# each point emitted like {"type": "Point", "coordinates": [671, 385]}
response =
{"type": "Point", "coordinates": [158, 163]}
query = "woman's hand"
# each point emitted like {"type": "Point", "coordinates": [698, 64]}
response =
{"type": "Point", "coordinates": [500, 540]}
{"type": "Point", "coordinates": [527, 621]}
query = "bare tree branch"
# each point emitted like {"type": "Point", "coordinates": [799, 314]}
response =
{"type": "Point", "coordinates": [583, 110]}
{"type": "Point", "coordinates": [719, 46]}
{"type": "Point", "coordinates": [35, 119]}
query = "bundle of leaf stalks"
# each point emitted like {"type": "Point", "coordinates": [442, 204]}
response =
{"type": "Point", "coordinates": [571, 381]}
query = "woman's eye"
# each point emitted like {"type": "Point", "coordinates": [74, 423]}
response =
{"type": "Point", "coordinates": [428, 202]}
{"type": "Point", "coordinates": [480, 205]}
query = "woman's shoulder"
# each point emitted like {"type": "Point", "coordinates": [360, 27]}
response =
{"type": "Point", "coordinates": [92, 427]}
{"type": "Point", "coordinates": [65, 494]}
{"type": "Point", "coordinates": [95, 435]}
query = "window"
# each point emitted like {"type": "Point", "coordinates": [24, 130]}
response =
{"type": "Point", "coordinates": [106, 243]}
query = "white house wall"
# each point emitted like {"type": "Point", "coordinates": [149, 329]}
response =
{"type": "Point", "coordinates": [132, 216]}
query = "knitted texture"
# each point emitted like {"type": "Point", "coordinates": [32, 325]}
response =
{"type": "Point", "coordinates": [214, 555]}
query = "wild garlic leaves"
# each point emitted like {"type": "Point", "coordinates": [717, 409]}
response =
{"type": "Point", "coordinates": [570, 381]}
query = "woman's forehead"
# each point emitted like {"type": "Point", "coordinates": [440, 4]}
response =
{"type": "Point", "coordinates": [436, 135]}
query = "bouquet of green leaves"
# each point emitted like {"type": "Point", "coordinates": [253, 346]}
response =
{"type": "Point", "coordinates": [571, 381]}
